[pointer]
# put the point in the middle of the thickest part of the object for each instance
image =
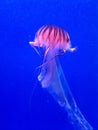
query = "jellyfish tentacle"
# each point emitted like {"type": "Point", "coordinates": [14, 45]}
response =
{"type": "Point", "coordinates": [54, 81]}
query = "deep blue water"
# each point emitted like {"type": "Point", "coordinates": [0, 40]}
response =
{"type": "Point", "coordinates": [19, 20]}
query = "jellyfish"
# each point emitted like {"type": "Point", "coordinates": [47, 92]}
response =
{"type": "Point", "coordinates": [54, 42]}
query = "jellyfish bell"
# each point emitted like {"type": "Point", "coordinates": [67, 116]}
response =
{"type": "Point", "coordinates": [52, 38]}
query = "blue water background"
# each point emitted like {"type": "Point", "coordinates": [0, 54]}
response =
{"type": "Point", "coordinates": [21, 106]}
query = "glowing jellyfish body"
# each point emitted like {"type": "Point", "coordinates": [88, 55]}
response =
{"type": "Point", "coordinates": [55, 41]}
